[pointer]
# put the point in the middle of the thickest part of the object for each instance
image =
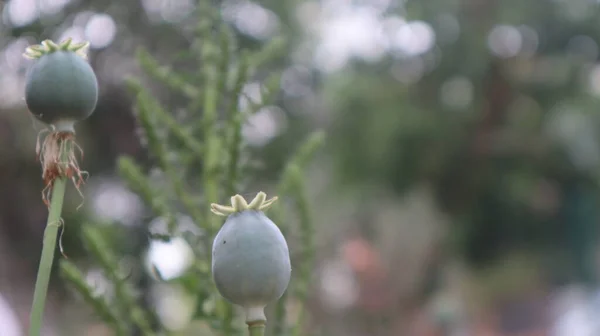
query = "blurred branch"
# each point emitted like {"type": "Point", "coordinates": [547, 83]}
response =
{"type": "Point", "coordinates": [138, 182]}
{"type": "Point", "coordinates": [212, 136]}
{"type": "Point", "coordinates": [165, 74]}
{"type": "Point", "coordinates": [108, 314]}
{"type": "Point", "coordinates": [292, 183]}
{"type": "Point", "coordinates": [125, 298]}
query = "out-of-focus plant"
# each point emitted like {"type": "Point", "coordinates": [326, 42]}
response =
{"type": "Point", "coordinates": [507, 152]}
{"type": "Point", "coordinates": [200, 159]}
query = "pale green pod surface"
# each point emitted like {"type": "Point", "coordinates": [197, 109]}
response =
{"type": "Point", "coordinates": [251, 262]}
{"type": "Point", "coordinates": [61, 86]}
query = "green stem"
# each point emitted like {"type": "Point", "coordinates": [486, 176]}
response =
{"type": "Point", "coordinates": [48, 249]}
{"type": "Point", "coordinates": [257, 329]}
{"type": "Point", "coordinates": [212, 151]}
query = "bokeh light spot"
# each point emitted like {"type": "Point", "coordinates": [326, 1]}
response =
{"type": "Point", "coordinates": [170, 258]}
{"type": "Point", "coordinates": [9, 320]}
{"type": "Point", "coordinates": [251, 18]}
{"type": "Point", "coordinates": [414, 38]}
{"type": "Point", "coordinates": [505, 41]}
{"type": "Point", "coordinates": [168, 10]}
{"type": "Point", "coordinates": [264, 125]}
{"type": "Point", "coordinates": [100, 31]}
{"type": "Point", "coordinates": [457, 93]}
{"type": "Point", "coordinates": [21, 12]}
{"type": "Point", "coordinates": [111, 200]}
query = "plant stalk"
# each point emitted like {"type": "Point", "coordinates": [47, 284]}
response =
{"type": "Point", "coordinates": [257, 328]}
{"type": "Point", "coordinates": [47, 258]}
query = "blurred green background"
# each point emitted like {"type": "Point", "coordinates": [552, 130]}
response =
{"type": "Point", "coordinates": [457, 193]}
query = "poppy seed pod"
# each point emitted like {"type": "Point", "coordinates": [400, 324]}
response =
{"type": "Point", "coordinates": [250, 257]}
{"type": "Point", "coordinates": [61, 87]}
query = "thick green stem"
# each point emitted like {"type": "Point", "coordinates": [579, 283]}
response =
{"type": "Point", "coordinates": [256, 328]}
{"type": "Point", "coordinates": [48, 249]}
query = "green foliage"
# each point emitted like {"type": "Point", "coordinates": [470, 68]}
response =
{"type": "Point", "coordinates": [496, 162]}
{"type": "Point", "coordinates": [199, 158]}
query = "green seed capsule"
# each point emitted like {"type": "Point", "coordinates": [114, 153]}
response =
{"type": "Point", "coordinates": [61, 87]}
{"type": "Point", "coordinates": [251, 261]}
{"type": "Point", "coordinates": [250, 257]}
